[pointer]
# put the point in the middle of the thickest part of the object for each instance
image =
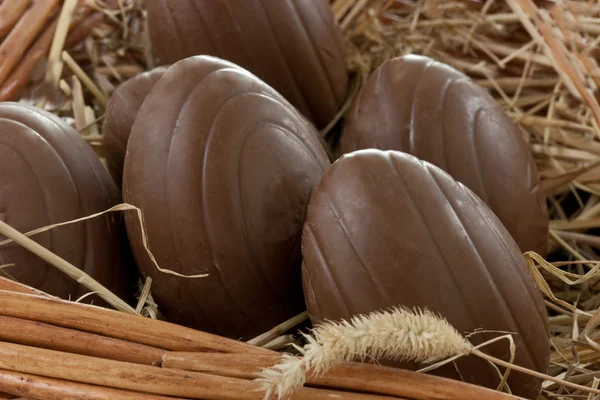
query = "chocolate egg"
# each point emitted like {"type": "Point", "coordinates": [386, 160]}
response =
{"type": "Point", "coordinates": [222, 167]}
{"type": "Point", "coordinates": [386, 229]}
{"type": "Point", "coordinates": [422, 107]}
{"type": "Point", "coordinates": [120, 114]}
{"type": "Point", "coordinates": [294, 46]}
{"type": "Point", "coordinates": [48, 174]}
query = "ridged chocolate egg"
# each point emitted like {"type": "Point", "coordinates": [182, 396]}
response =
{"type": "Point", "coordinates": [222, 167]}
{"type": "Point", "coordinates": [386, 229]}
{"type": "Point", "coordinates": [121, 110]}
{"type": "Point", "coordinates": [428, 109]}
{"type": "Point", "coordinates": [48, 175]}
{"type": "Point", "coordinates": [294, 46]}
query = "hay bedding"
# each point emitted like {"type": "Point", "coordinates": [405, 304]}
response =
{"type": "Point", "coordinates": [538, 59]}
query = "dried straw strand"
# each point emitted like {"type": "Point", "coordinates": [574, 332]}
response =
{"type": "Point", "coordinates": [85, 79]}
{"type": "Point", "coordinates": [279, 329]}
{"type": "Point", "coordinates": [55, 66]}
{"type": "Point", "coordinates": [398, 334]}
{"type": "Point", "coordinates": [65, 267]}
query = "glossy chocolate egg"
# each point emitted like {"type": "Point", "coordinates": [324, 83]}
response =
{"type": "Point", "coordinates": [422, 107]}
{"type": "Point", "coordinates": [222, 167]}
{"type": "Point", "coordinates": [120, 114]}
{"type": "Point", "coordinates": [48, 174]}
{"type": "Point", "coordinates": [294, 46]}
{"type": "Point", "coordinates": [386, 229]}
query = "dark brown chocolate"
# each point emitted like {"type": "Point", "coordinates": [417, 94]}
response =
{"type": "Point", "coordinates": [385, 229]}
{"type": "Point", "coordinates": [222, 167]}
{"type": "Point", "coordinates": [120, 114]}
{"type": "Point", "coordinates": [294, 45]}
{"type": "Point", "coordinates": [422, 107]}
{"type": "Point", "coordinates": [48, 174]}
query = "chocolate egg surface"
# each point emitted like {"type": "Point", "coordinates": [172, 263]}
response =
{"type": "Point", "coordinates": [385, 229]}
{"type": "Point", "coordinates": [222, 167]}
{"type": "Point", "coordinates": [48, 175]}
{"type": "Point", "coordinates": [422, 107]}
{"type": "Point", "coordinates": [294, 46]}
{"type": "Point", "coordinates": [122, 108]}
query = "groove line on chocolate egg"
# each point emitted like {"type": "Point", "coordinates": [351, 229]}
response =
{"type": "Point", "coordinates": [43, 196]}
{"type": "Point", "coordinates": [305, 147]}
{"type": "Point", "coordinates": [329, 25]}
{"type": "Point", "coordinates": [470, 312]}
{"type": "Point", "coordinates": [417, 212]}
{"type": "Point", "coordinates": [206, 230]}
{"type": "Point", "coordinates": [411, 127]}
{"type": "Point", "coordinates": [327, 270]}
{"type": "Point", "coordinates": [475, 250]}
{"type": "Point", "coordinates": [236, 23]}
{"type": "Point", "coordinates": [83, 263]}
{"type": "Point", "coordinates": [251, 251]}
{"type": "Point", "coordinates": [207, 31]}
{"type": "Point", "coordinates": [180, 41]}
{"type": "Point", "coordinates": [474, 144]}
{"type": "Point", "coordinates": [51, 118]}
{"type": "Point", "coordinates": [315, 53]}
{"type": "Point", "coordinates": [231, 98]}
{"type": "Point", "coordinates": [340, 221]}
{"type": "Point", "coordinates": [378, 119]}
{"type": "Point", "coordinates": [40, 184]}
{"type": "Point", "coordinates": [441, 110]}
{"type": "Point", "coordinates": [289, 72]}
{"type": "Point", "coordinates": [245, 134]}
{"type": "Point", "coordinates": [491, 226]}
{"type": "Point", "coordinates": [309, 291]}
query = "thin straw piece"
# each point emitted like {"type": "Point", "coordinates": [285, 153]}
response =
{"type": "Point", "coordinates": [118, 325]}
{"type": "Point", "coordinates": [65, 267]}
{"type": "Point", "coordinates": [85, 79]}
{"type": "Point", "coordinates": [279, 329]}
{"type": "Point", "coordinates": [55, 65]}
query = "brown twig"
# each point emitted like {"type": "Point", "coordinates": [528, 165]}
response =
{"type": "Point", "coordinates": [40, 388]}
{"type": "Point", "coordinates": [154, 380]}
{"type": "Point", "coordinates": [39, 334]}
{"type": "Point", "coordinates": [24, 33]}
{"type": "Point", "coordinates": [349, 376]}
{"type": "Point", "coordinates": [120, 375]}
{"type": "Point", "coordinates": [10, 13]}
{"type": "Point", "coordinates": [8, 285]}
{"type": "Point", "coordinates": [11, 88]}
{"type": "Point", "coordinates": [117, 325]}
